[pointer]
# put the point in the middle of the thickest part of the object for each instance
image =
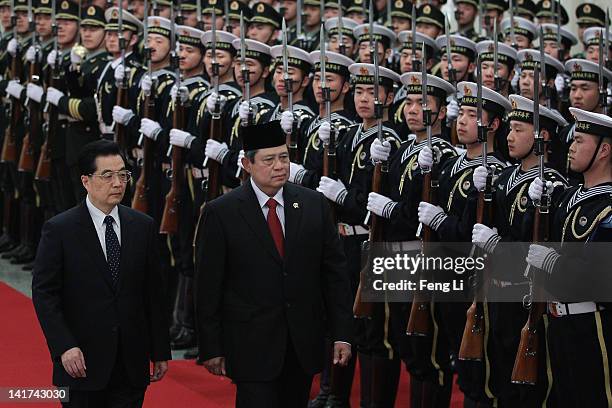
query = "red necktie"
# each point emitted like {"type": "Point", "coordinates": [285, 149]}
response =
{"type": "Point", "coordinates": [275, 227]}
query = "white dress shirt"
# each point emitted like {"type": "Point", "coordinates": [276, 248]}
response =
{"type": "Point", "coordinates": [263, 200]}
{"type": "Point", "coordinates": [97, 216]}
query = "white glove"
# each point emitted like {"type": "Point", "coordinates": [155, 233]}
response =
{"type": "Point", "coordinates": [54, 96]}
{"type": "Point", "coordinates": [286, 121]}
{"type": "Point", "coordinates": [52, 58]}
{"type": "Point", "coordinates": [35, 92]}
{"type": "Point", "coordinates": [122, 115]}
{"type": "Point", "coordinates": [425, 158]}
{"type": "Point", "coordinates": [334, 190]}
{"type": "Point", "coordinates": [119, 74]}
{"type": "Point", "coordinates": [296, 172]}
{"type": "Point", "coordinates": [380, 205]}
{"type": "Point", "coordinates": [480, 177]}
{"type": "Point", "coordinates": [12, 47]}
{"type": "Point", "coordinates": [243, 110]}
{"type": "Point", "coordinates": [324, 132]}
{"type": "Point", "coordinates": [215, 150]}
{"type": "Point", "coordinates": [536, 189]}
{"type": "Point", "coordinates": [150, 128]}
{"type": "Point", "coordinates": [485, 237]}
{"type": "Point", "coordinates": [180, 138]}
{"type": "Point", "coordinates": [14, 88]}
{"type": "Point", "coordinates": [240, 156]}
{"type": "Point", "coordinates": [211, 101]}
{"type": "Point", "coordinates": [32, 53]}
{"type": "Point", "coordinates": [452, 110]}
{"type": "Point", "coordinates": [146, 83]}
{"type": "Point", "coordinates": [183, 92]}
{"type": "Point", "coordinates": [559, 83]}
{"type": "Point", "coordinates": [75, 58]}
{"type": "Point", "coordinates": [542, 257]}
{"type": "Point", "coordinates": [431, 215]}
{"type": "Point", "coordinates": [380, 152]}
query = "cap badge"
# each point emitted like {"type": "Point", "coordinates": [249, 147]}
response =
{"type": "Point", "coordinates": [234, 5]}
{"type": "Point", "coordinates": [260, 8]}
{"type": "Point", "coordinates": [399, 4]}
{"type": "Point", "coordinates": [91, 11]}
{"type": "Point", "coordinates": [427, 9]}
{"type": "Point", "coordinates": [587, 8]}
{"type": "Point", "coordinates": [65, 5]}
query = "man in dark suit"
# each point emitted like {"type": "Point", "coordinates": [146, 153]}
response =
{"type": "Point", "coordinates": [269, 268]}
{"type": "Point", "coordinates": [98, 291]}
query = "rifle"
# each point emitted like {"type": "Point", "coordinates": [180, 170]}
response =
{"type": "Point", "coordinates": [26, 158]}
{"type": "Point", "coordinates": [140, 200]}
{"type": "Point", "coordinates": [170, 220]}
{"type": "Point", "coordinates": [545, 89]}
{"type": "Point", "coordinates": [497, 81]}
{"type": "Point", "coordinates": [298, 25]}
{"type": "Point", "coordinates": [228, 27]}
{"type": "Point", "coordinates": [419, 322]}
{"type": "Point", "coordinates": [329, 149]}
{"type": "Point", "coordinates": [43, 170]}
{"type": "Point", "coordinates": [341, 45]}
{"type": "Point", "coordinates": [414, 61]}
{"type": "Point", "coordinates": [245, 72]}
{"type": "Point", "coordinates": [472, 342]}
{"type": "Point", "coordinates": [512, 34]}
{"type": "Point", "coordinates": [525, 370]}
{"type": "Point", "coordinates": [452, 78]}
{"type": "Point", "coordinates": [362, 309]}
{"type": "Point", "coordinates": [216, 125]}
{"type": "Point", "coordinates": [291, 136]}
{"type": "Point", "coordinates": [9, 146]}
{"type": "Point", "coordinates": [122, 97]}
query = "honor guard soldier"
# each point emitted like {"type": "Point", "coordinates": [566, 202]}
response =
{"type": "Point", "coordinates": [529, 60]}
{"type": "Point", "coordinates": [591, 38]}
{"type": "Point", "coordinates": [512, 208]}
{"type": "Point", "coordinates": [397, 204]}
{"type": "Point", "coordinates": [466, 15]}
{"type": "Point", "coordinates": [236, 7]}
{"type": "Point", "coordinates": [580, 215]}
{"type": "Point", "coordinates": [494, 11]}
{"type": "Point", "coordinates": [265, 24]}
{"type": "Point", "coordinates": [548, 10]}
{"type": "Point", "coordinates": [430, 21]}
{"type": "Point", "coordinates": [299, 114]}
{"type": "Point", "coordinates": [244, 111]}
{"type": "Point", "coordinates": [588, 15]}
{"type": "Point", "coordinates": [308, 39]}
{"type": "Point", "coordinates": [114, 71]}
{"type": "Point", "coordinates": [585, 95]}
{"type": "Point", "coordinates": [552, 47]}
{"type": "Point", "coordinates": [337, 78]}
{"type": "Point", "coordinates": [208, 6]}
{"type": "Point", "coordinates": [401, 15]}
{"type": "Point", "coordinates": [525, 9]}
{"type": "Point", "coordinates": [349, 42]}
{"type": "Point", "coordinates": [450, 223]}
{"type": "Point", "coordinates": [506, 59]}
{"type": "Point", "coordinates": [523, 34]}
{"type": "Point", "coordinates": [162, 8]}
{"type": "Point", "coordinates": [357, 10]}
{"type": "Point", "coordinates": [384, 38]}
{"type": "Point", "coordinates": [189, 13]}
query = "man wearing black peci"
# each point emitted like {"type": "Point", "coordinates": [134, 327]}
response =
{"type": "Point", "coordinates": [98, 291]}
{"type": "Point", "coordinates": [268, 263]}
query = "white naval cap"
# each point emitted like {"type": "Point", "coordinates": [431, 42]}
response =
{"type": "Point", "coordinates": [585, 70]}
{"type": "Point", "coordinates": [492, 101]}
{"type": "Point", "coordinates": [348, 25]}
{"type": "Point", "coordinates": [405, 40]}
{"type": "Point", "coordinates": [550, 34]}
{"type": "Point", "coordinates": [522, 111]}
{"type": "Point", "coordinates": [593, 35]}
{"type": "Point", "coordinates": [592, 123]}
{"type": "Point", "coordinates": [522, 26]}
{"type": "Point", "coordinates": [130, 22]}
{"type": "Point", "coordinates": [159, 25]}
{"type": "Point", "coordinates": [435, 85]}
{"type": "Point", "coordinates": [189, 36]}
{"type": "Point", "coordinates": [224, 41]}
{"type": "Point", "coordinates": [505, 53]}
{"type": "Point", "coordinates": [296, 57]}
{"type": "Point", "coordinates": [254, 49]}
{"type": "Point", "coordinates": [364, 74]}
{"type": "Point", "coordinates": [334, 62]}
{"type": "Point", "coordinates": [381, 33]}
{"type": "Point", "coordinates": [458, 45]}
{"type": "Point", "coordinates": [530, 59]}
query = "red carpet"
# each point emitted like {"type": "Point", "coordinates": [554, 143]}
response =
{"type": "Point", "coordinates": [26, 363]}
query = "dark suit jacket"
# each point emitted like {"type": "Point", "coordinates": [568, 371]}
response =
{"type": "Point", "coordinates": [77, 307]}
{"type": "Point", "coordinates": [249, 300]}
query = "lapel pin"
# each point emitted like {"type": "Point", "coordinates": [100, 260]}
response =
{"type": "Point", "coordinates": [296, 205]}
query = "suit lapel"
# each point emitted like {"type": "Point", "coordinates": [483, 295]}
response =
{"type": "Point", "coordinates": [253, 216]}
{"type": "Point", "coordinates": [128, 237]}
{"type": "Point", "coordinates": [91, 243]}
{"type": "Point", "coordinates": [293, 217]}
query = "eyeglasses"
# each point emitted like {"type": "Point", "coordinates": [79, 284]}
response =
{"type": "Point", "coordinates": [123, 175]}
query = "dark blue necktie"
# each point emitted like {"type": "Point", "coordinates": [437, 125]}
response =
{"type": "Point", "coordinates": [113, 250]}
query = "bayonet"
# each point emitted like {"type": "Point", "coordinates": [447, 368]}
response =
{"type": "Point", "coordinates": [341, 46]}
{"type": "Point", "coordinates": [452, 73]}
{"type": "Point", "coordinates": [325, 90]}
{"type": "Point", "coordinates": [512, 33]}
{"type": "Point", "coordinates": [291, 136]}
{"type": "Point", "coordinates": [558, 18]}
{"type": "Point", "coordinates": [497, 86]}
{"type": "Point", "coordinates": [542, 65]}
{"type": "Point", "coordinates": [602, 89]}
{"type": "Point", "coordinates": [414, 61]}
{"type": "Point", "coordinates": [199, 24]}
{"type": "Point", "coordinates": [228, 26]}
{"type": "Point", "coordinates": [298, 24]}
{"type": "Point", "coordinates": [244, 69]}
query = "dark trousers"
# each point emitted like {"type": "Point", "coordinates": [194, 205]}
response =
{"type": "Point", "coordinates": [119, 393]}
{"type": "Point", "coordinates": [290, 389]}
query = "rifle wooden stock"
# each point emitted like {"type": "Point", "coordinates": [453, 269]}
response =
{"type": "Point", "coordinates": [525, 370]}
{"type": "Point", "coordinates": [362, 309]}
{"type": "Point", "coordinates": [170, 219]}
{"type": "Point", "coordinates": [472, 342]}
{"type": "Point", "coordinates": [453, 134]}
{"type": "Point", "coordinates": [120, 129]}
{"type": "Point", "coordinates": [140, 200]}
{"type": "Point", "coordinates": [9, 146]}
{"type": "Point", "coordinates": [212, 183]}
{"type": "Point", "coordinates": [419, 322]}
{"type": "Point", "coordinates": [43, 169]}
{"type": "Point", "coordinates": [26, 158]}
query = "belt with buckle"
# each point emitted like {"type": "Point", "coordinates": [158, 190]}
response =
{"type": "Point", "coordinates": [559, 309]}
{"type": "Point", "coordinates": [347, 230]}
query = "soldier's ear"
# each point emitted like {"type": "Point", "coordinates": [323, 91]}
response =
{"type": "Point", "coordinates": [305, 80]}
{"type": "Point", "coordinates": [471, 68]}
{"type": "Point", "coordinates": [605, 151]}
{"type": "Point", "coordinates": [388, 53]}
{"type": "Point", "coordinates": [545, 134]}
